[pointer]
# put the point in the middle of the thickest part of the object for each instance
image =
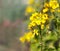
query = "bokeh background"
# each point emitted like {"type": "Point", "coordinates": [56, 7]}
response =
{"type": "Point", "coordinates": [12, 24]}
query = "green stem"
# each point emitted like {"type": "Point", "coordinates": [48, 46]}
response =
{"type": "Point", "coordinates": [41, 41]}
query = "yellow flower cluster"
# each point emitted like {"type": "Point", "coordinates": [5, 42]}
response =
{"type": "Point", "coordinates": [51, 5]}
{"type": "Point", "coordinates": [35, 31]}
{"type": "Point", "coordinates": [28, 36]}
{"type": "Point", "coordinates": [38, 19]}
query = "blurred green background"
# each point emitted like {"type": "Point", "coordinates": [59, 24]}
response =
{"type": "Point", "coordinates": [12, 24]}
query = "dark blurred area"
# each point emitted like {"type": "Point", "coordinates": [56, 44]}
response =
{"type": "Point", "coordinates": [12, 24]}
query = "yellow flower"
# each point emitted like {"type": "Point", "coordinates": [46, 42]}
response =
{"type": "Point", "coordinates": [45, 16]}
{"type": "Point", "coordinates": [53, 4]}
{"type": "Point", "coordinates": [46, 5]}
{"type": "Point", "coordinates": [43, 21]}
{"type": "Point", "coordinates": [32, 24]}
{"type": "Point", "coordinates": [29, 9]}
{"type": "Point", "coordinates": [45, 10]}
{"type": "Point", "coordinates": [22, 39]}
{"type": "Point", "coordinates": [31, 18]}
{"type": "Point", "coordinates": [34, 16]}
{"type": "Point", "coordinates": [28, 36]}
{"type": "Point", "coordinates": [35, 31]}
{"type": "Point", "coordinates": [37, 19]}
{"type": "Point", "coordinates": [42, 26]}
{"type": "Point", "coordinates": [38, 22]}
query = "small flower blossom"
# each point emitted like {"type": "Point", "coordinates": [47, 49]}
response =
{"type": "Point", "coordinates": [53, 4]}
{"type": "Point", "coordinates": [30, 9]}
{"type": "Point", "coordinates": [45, 10]}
